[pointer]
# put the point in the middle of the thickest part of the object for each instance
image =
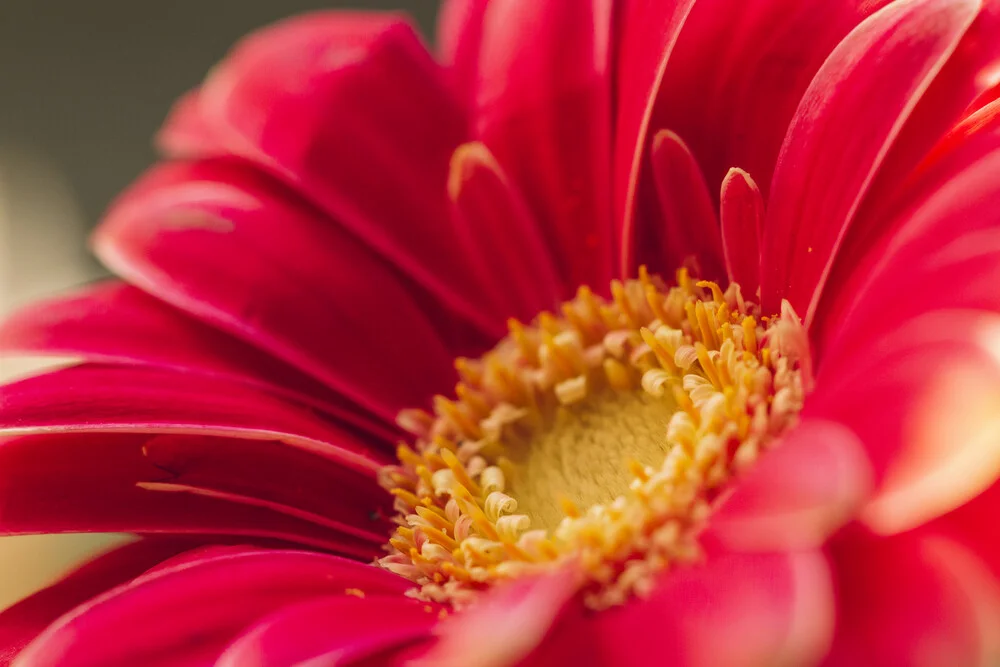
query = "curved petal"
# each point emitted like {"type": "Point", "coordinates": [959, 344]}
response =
{"type": "Point", "coordinates": [687, 229]}
{"type": "Point", "coordinates": [24, 621]}
{"type": "Point", "coordinates": [232, 248]}
{"type": "Point", "coordinates": [736, 609]}
{"type": "Point", "coordinates": [647, 37]}
{"type": "Point", "coordinates": [500, 235]}
{"type": "Point", "coordinates": [828, 160]}
{"type": "Point", "coordinates": [964, 526]}
{"type": "Point", "coordinates": [544, 110]}
{"type": "Point", "coordinates": [273, 475]}
{"type": "Point", "coordinates": [351, 111]}
{"type": "Point", "coordinates": [111, 322]}
{"type": "Point", "coordinates": [922, 398]}
{"type": "Point", "coordinates": [799, 494]}
{"type": "Point", "coordinates": [741, 211]}
{"type": "Point", "coordinates": [101, 399]}
{"type": "Point", "coordinates": [738, 72]}
{"type": "Point", "coordinates": [339, 629]}
{"type": "Point", "coordinates": [98, 483]}
{"type": "Point", "coordinates": [459, 39]}
{"type": "Point", "coordinates": [196, 608]}
{"type": "Point", "coordinates": [904, 601]}
{"type": "Point", "coordinates": [506, 625]}
{"type": "Point", "coordinates": [962, 87]}
{"type": "Point", "coordinates": [944, 244]}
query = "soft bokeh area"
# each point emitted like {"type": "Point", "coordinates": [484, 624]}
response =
{"type": "Point", "coordinates": [84, 87]}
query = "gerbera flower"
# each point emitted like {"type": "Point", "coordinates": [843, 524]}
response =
{"type": "Point", "coordinates": [721, 280]}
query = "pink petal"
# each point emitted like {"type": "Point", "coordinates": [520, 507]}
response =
{"type": "Point", "coordinates": [736, 609]}
{"type": "Point", "coordinates": [922, 398]}
{"type": "Point", "coordinates": [331, 630]}
{"type": "Point", "coordinates": [799, 494]}
{"type": "Point", "coordinates": [459, 38]}
{"type": "Point", "coordinates": [739, 70]}
{"type": "Point", "coordinates": [648, 33]}
{"type": "Point", "coordinates": [196, 608]}
{"type": "Point", "coordinates": [503, 239]}
{"type": "Point", "coordinates": [95, 483]}
{"type": "Point", "coordinates": [101, 399]}
{"type": "Point", "coordinates": [904, 601]}
{"type": "Point", "coordinates": [188, 132]}
{"type": "Point", "coordinates": [828, 160]}
{"type": "Point", "coordinates": [274, 475]}
{"type": "Point", "coordinates": [690, 228]}
{"type": "Point", "coordinates": [964, 526]}
{"type": "Point", "coordinates": [346, 107]}
{"type": "Point", "coordinates": [944, 244]}
{"type": "Point", "coordinates": [962, 85]}
{"type": "Point", "coordinates": [544, 110]}
{"type": "Point", "coordinates": [506, 625]}
{"type": "Point", "coordinates": [232, 248]}
{"type": "Point", "coordinates": [116, 323]}
{"type": "Point", "coordinates": [20, 624]}
{"type": "Point", "coordinates": [741, 210]}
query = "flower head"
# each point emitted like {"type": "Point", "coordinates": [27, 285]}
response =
{"type": "Point", "coordinates": [615, 332]}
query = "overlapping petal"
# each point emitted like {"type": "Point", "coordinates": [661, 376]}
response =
{"type": "Point", "coordinates": [737, 609]}
{"type": "Point", "coordinates": [829, 159]}
{"type": "Point", "coordinates": [107, 483]}
{"type": "Point", "coordinates": [129, 624]}
{"type": "Point", "coordinates": [24, 621]}
{"type": "Point", "coordinates": [922, 398]}
{"type": "Point", "coordinates": [919, 590]}
{"type": "Point", "coordinates": [543, 107]}
{"type": "Point", "coordinates": [112, 322]}
{"type": "Point", "coordinates": [332, 630]}
{"type": "Point", "coordinates": [233, 248]}
{"type": "Point", "coordinates": [352, 111]}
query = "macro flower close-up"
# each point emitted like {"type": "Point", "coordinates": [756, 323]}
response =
{"type": "Point", "coordinates": [586, 332]}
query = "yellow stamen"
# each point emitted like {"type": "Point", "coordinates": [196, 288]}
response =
{"type": "Point", "coordinates": [602, 435]}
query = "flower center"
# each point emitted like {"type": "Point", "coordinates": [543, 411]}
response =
{"type": "Point", "coordinates": [604, 435]}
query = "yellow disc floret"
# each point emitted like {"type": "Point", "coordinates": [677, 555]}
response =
{"type": "Point", "coordinates": [603, 434]}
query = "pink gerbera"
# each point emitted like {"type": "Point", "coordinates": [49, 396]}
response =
{"type": "Point", "coordinates": [742, 260]}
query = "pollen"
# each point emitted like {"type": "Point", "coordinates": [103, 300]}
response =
{"type": "Point", "coordinates": [604, 434]}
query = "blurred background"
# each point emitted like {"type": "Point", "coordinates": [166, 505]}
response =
{"type": "Point", "coordinates": [83, 88]}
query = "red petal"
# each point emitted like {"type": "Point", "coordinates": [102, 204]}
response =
{"type": "Point", "coordinates": [962, 85]}
{"type": "Point", "coordinates": [503, 239]}
{"type": "Point", "coordinates": [648, 35]}
{"type": "Point", "coordinates": [828, 160]}
{"type": "Point", "coordinates": [195, 609]}
{"type": "Point", "coordinates": [737, 609]}
{"type": "Point", "coordinates": [459, 39]}
{"type": "Point", "coordinates": [230, 247]}
{"type": "Point", "coordinates": [799, 494]}
{"type": "Point", "coordinates": [114, 322]}
{"type": "Point", "coordinates": [275, 475]}
{"type": "Point", "coordinates": [965, 524]}
{"type": "Point", "coordinates": [741, 210]}
{"type": "Point", "coordinates": [902, 601]}
{"type": "Point", "coordinates": [346, 108]}
{"type": "Point", "coordinates": [544, 110]}
{"type": "Point", "coordinates": [333, 630]}
{"type": "Point", "coordinates": [738, 72]}
{"type": "Point", "coordinates": [187, 132]}
{"type": "Point", "coordinates": [922, 398]}
{"type": "Point", "coordinates": [24, 621]}
{"type": "Point", "coordinates": [506, 625]}
{"type": "Point", "coordinates": [142, 400]}
{"type": "Point", "coordinates": [690, 227]}
{"type": "Point", "coordinates": [93, 483]}
{"type": "Point", "coordinates": [944, 246]}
